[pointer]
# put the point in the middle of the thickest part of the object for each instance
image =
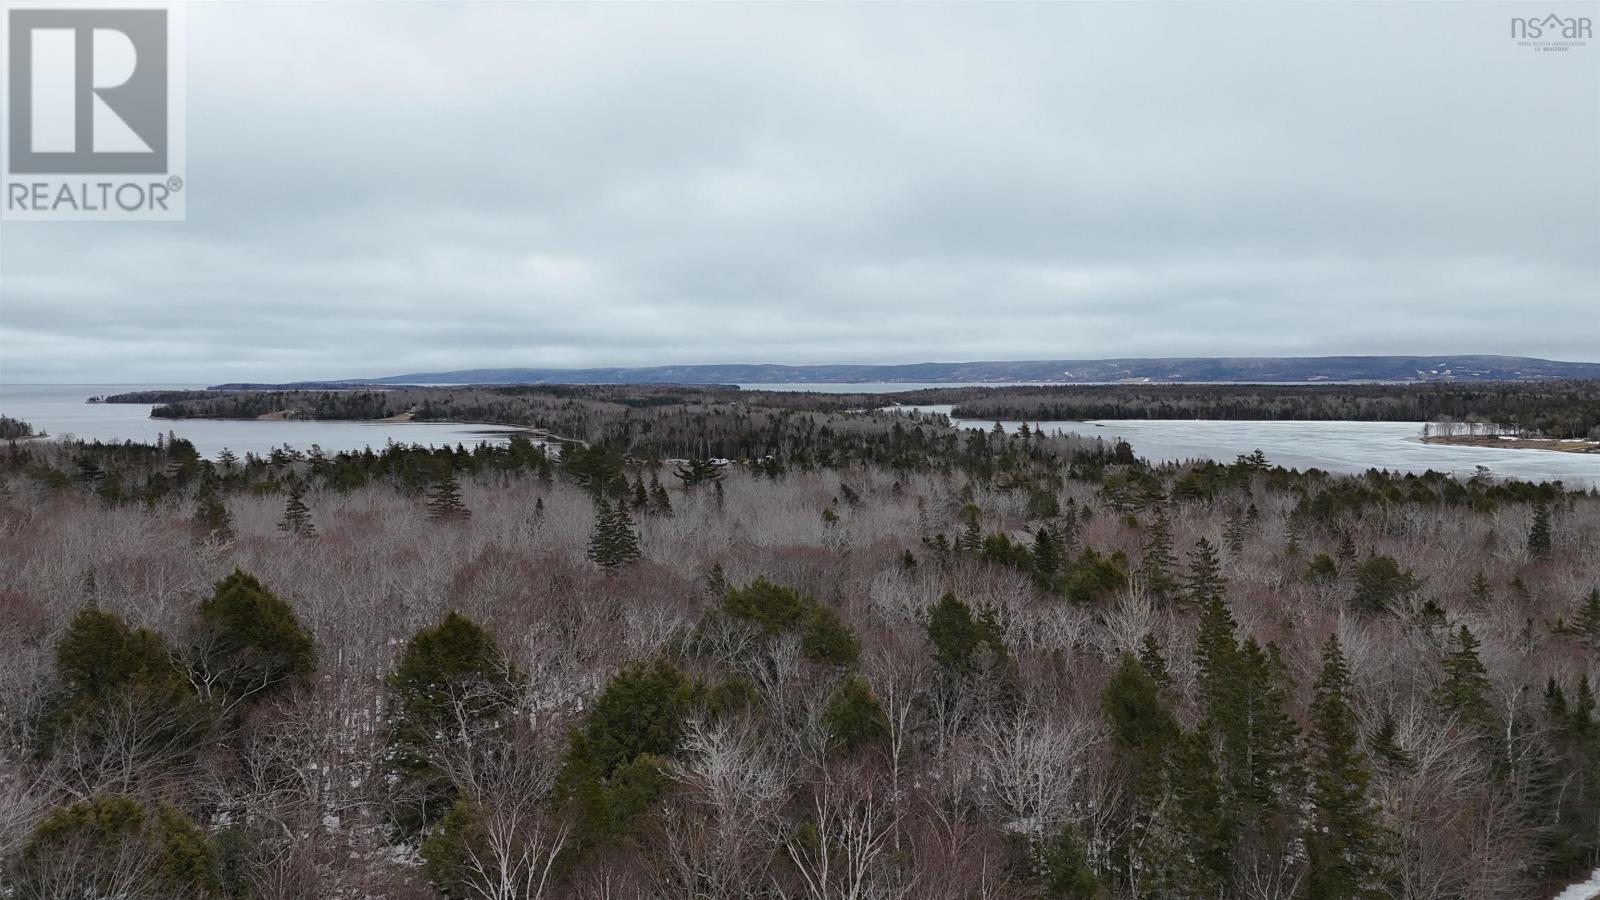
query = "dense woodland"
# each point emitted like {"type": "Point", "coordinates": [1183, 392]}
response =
{"type": "Point", "coordinates": [10, 428]}
{"type": "Point", "coordinates": [1559, 409]}
{"type": "Point", "coordinates": [864, 656]}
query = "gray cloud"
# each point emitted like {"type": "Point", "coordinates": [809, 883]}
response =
{"type": "Point", "coordinates": [385, 188]}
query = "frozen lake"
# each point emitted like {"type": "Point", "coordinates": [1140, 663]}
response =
{"type": "Point", "coordinates": [1330, 446]}
{"type": "Point", "coordinates": [61, 411]}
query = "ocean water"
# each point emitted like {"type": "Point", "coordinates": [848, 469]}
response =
{"type": "Point", "coordinates": [60, 410]}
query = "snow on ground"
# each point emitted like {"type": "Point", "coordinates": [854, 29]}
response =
{"type": "Point", "coordinates": [1588, 890]}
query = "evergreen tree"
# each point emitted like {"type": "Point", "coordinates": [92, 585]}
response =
{"type": "Point", "coordinates": [1142, 727]}
{"type": "Point", "coordinates": [106, 844]}
{"type": "Point", "coordinates": [452, 682]}
{"type": "Point", "coordinates": [660, 503]}
{"type": "Point", "coordinates": [957, 636]}
{"type": "Point", "coordinates": [1204, 581]}
{"type": "Point", "coordinates": [117, 681]}
{"type": "Point", "coordinates": [697, 472]}
{"type": "Point", "coordinates": [826, 640]}
{"type": "Point", "coordinates": [1234, 532]}
{"type": "Point", "coordinates": [1539, 533]}
{"type": "Point", "coordinates": [614, 543]}
{"type": "Point", "coordinates": [211, 516]}
{"type": "Point", "coordinates": [1155, 665]}
{"type": "Point", "coordinates": [854, 717]}
{"type": "Point", "coordinates": [1464, 693]}
{"type": "Point", "coordinates": [1347, 549]}
{"type": "Point", "coordinates": [297, 516]}
{"type": "Point", "coordinates": [641, 711]}
{"type": "Point", "coordinates": [1046, 552]}
{"type": "Point", "coordinates": [971, 538]}
{"type": "Point", "coordinates": [1588, 621]}
{"type": "Point", "coordinates": [1346, 845]}
{"type": "Point", "coordinates": [1158, 563]}
{"type": "Point", "coordinates": [1386, 749]}
{"type": "Point", "coordinates": [1381, 585]}
{"type": "Point", "coordinates": [1481, 594]}
{"type": "Point", "coordinates": [249, 644]}
{"type": "Point", "coordinates": [444, 500]}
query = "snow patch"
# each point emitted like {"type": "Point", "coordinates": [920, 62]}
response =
{"type": "Point", "coordinates": [1588, 890]}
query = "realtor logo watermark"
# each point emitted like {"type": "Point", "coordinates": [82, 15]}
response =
{"type": "Point", "coordinates": [1552, 33]}
{"type": "Point", "coordinates": [94, 122]}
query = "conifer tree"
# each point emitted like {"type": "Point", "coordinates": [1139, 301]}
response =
{"type": "Point", "coordinates": [1234, 531]}
{"type": "Point", "coordinates": [971, 539]}
{"type": "Point", "coordinates": [1046, 552]}
{"type": "Point", "coordinates": [1204, 581]}
{"type": "Point", "coordinates": [211, 516]}
{"type": "Point", "coordinates": [1347, 549]}
{"type": "Point", "coordinates": [1539, 533]}
{"type": "Point", "coordinates": [1346, 845]}
{"type": "Point", "coordinates": [1588, 621]}
{"type": "Point", "coordinates": [1157, 563]}
{"type": "Point", "coordinates": [697, 472]}
{"type": "Point", "coordinates": [249, 644]}
{"type": "Point", "coordinates": [444, 500]}
{"type": "Point", "coordinates": [452, 682]}
{"type": "Point", "coordinates": [614, 543]}
{"type": "Point", "coordinates": [1464, 693]}
{"type": "Point", "coordinates": [1155, 665]}
{"type": "Point", "coordinates": [296, 519]}
{"type": "Point", "coordinates": [1481, 593]}
{"type": "Point", "coordinates": [854, 717]}
{"type": "Point", "coordinates": [957, 636]}
{"type": "Point", "coordinates": [1386, 749]}
{"type": "Point", "coordinates": [660, 503]}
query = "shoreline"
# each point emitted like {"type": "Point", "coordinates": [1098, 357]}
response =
{"type": "Point", "coordinates": [1513, 443]}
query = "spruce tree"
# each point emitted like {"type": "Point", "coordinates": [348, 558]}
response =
{"type": "Point", "coordinates": [1157, 563]}
{"type": "Point", "coordinates": [971, 538]}
{"type": "Point", "coordinates": [1204, 581]}
{"type": "Point", "coordinates": [1588, 621]}
{"type": "Point", "coordinates": [211, 516]}
{"type": "Point", "coordinates": [1464, 692]}
{"type": "Point", "coordinates": [1386, 749]}
{"type": "Point", "coordinates": [614, 543]}
{"type": "Point", "coordinates": [698, 471]}
{"type": "Point", "coordinates": [1539, 533]}
{"type": "Point", "coordinates": [296, 519]}
{"type": "Point", "coordinates": [1234, 532]}
{"type": "Point", "coordinates": [1347, 549]}
{"type": "Point", "coordinates": [1346, 845]}
{"type": "Point", "coordinates": [1046, 553]}
{"type": "Point", "coordinates": [660, 503]}
{"type": "Point", "coordinates": [1155, 665]}
{"type": "Point", "coordinates": [444, 500]}
{"type": "Point", "coordinates": [1481, 594]}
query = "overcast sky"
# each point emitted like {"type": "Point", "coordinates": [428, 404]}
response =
{"type": "Point", "coordinates": [386, 188]}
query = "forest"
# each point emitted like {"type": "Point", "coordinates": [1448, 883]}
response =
{"type": "Point", "coordinates": [11, 429]}
{"type": "Point", "coordinates": [1559, 409]}
{"type": "Point", "coordinates": [730, 645]}
{"type": "Point", "coordinates": [1554, 408]}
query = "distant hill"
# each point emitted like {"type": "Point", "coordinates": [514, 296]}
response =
{"type": "Point", "coordinates": [1065, 371]}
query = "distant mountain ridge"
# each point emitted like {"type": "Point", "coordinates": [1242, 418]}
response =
{"type": "Point", "coordinates": [1176, 370]}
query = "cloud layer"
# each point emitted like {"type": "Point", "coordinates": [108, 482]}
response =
{"type": "Point", "coordinates": [403, 187]}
